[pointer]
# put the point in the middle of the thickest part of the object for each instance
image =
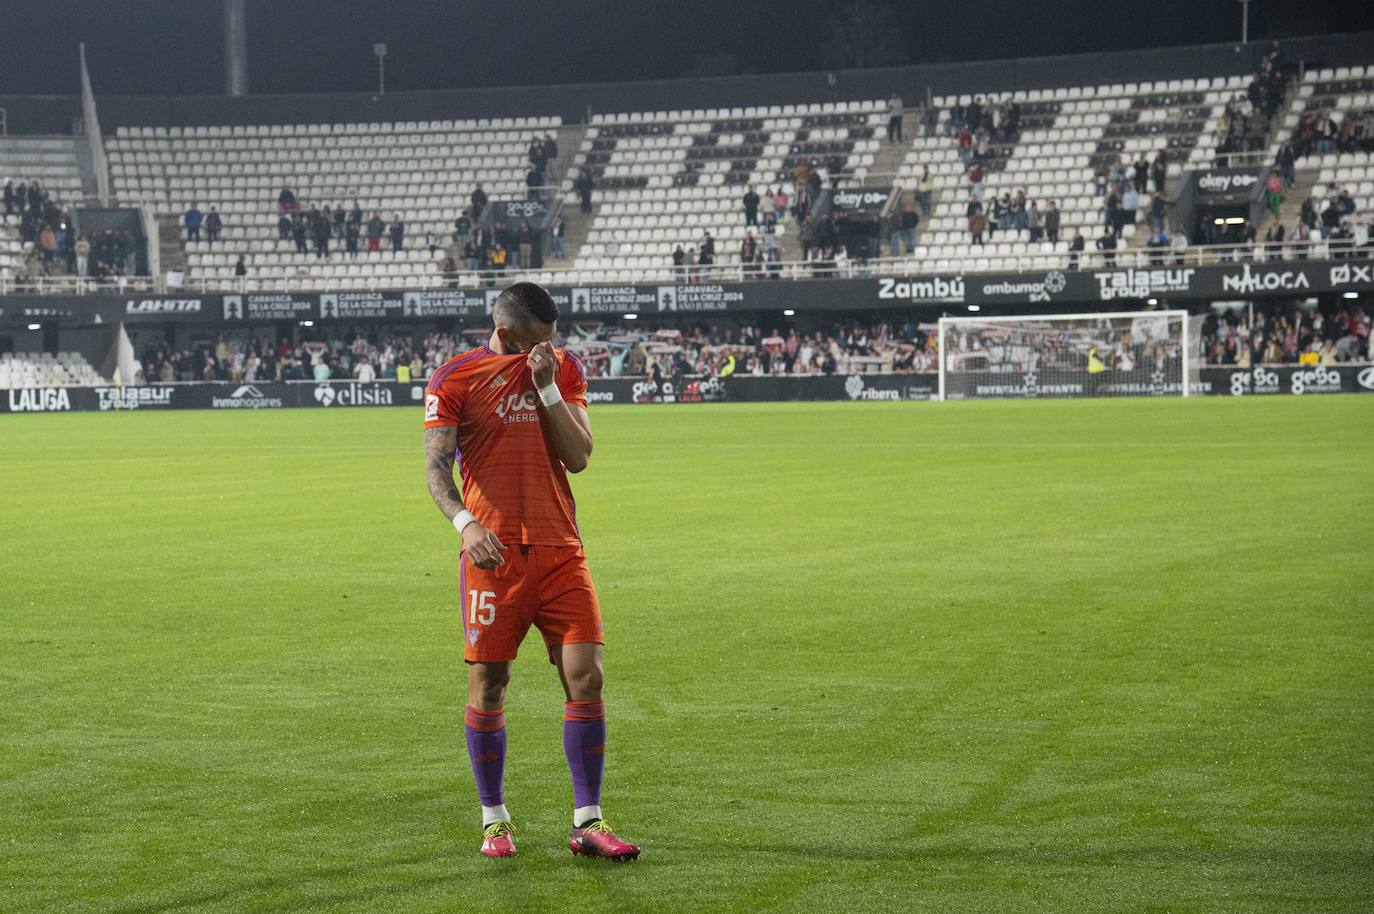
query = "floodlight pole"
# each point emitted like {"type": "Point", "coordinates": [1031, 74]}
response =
{"type": "Point", "coordinates": [1244, 21]}
{"type": "Point", "coordinates": [380, 50]}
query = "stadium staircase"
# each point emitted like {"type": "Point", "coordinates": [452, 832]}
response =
{"type": "Point", "coordinates": [171, 247]}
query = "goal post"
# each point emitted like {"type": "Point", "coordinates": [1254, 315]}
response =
{"type": "Point", "coordinates": [1108, 354]}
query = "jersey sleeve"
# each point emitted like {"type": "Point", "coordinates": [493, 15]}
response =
{"type": "Point", "coordinates": [441, 401]}
{"type": "Point", "coordinates": [572, 380]}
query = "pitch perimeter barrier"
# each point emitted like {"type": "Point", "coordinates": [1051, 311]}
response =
{"type": "Point", "coordinates": [1261, 380]}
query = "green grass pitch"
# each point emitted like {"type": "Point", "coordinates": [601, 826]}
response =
{"type": "Point", "coordinates": [982, 657]}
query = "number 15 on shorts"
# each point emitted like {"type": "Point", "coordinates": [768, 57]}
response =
{"type": "Point", "coordinates": [481, 609]}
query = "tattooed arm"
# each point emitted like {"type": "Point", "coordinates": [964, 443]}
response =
{"type": "Point", "coordinates": [481, 545]}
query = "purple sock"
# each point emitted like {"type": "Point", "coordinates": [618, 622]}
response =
{"type": "Point", "coordinates": [584, 743]}
{"type": "Point", "coordinates": [486, 732]}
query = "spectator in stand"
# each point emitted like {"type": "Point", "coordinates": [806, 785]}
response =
{"type": "Point", "coordinates": [680, 263]}
{"type": "Point", "coordinates": [479, 202]}
{"type": "Point", "coordinates": [924, 190]}
{"type": "Point", "coordinates": [397, 231]}
{"type": "Point", "coordinates": [1158, 243]}
{"type": "Point", "coordinates": [909, 222]}
{"type": "Point", "coordinates": [584, 186]}
{"type": "Point", "coordinates": [11, 198]}
{"type": "Point", "coordinates": [780, 203]}
{"type": "Point", "coordinates": [751, 207]}
{"type": "Point", "coordinates": [557, 233]}
{"type": "Point", "coordinates": [284, 228]}
{"type": "Point", "coordinates": [1286, 160]}
{"type": "Point", "coordinates": [298, 231]}
{"type": "Point", "coordinates": [706, 257]}
{"type": "Point", "coordinates": [1141, 179]}
{"type": "Point", "coordinates": [1273, 240]}
{"type": "Point", "coordinates": [534, 183]}
{"type": "Point", "coordinates": [351, 230]}
{"type": "Point", "coordinates": [975, 181]}
{"type": "Point", "coordinates": [1130, 201]}
{"type": "Point", "coordinates": [997, 215]}
{"type": "Point", "coordinates": [977, 221]}
{"type": "Point", "coordinates": [550, 156]}
{"type": "Point", "coordinates": [1330, 219]}
{"type": "Point", "coordinates": [47, 243]}
{"type": "Point", "coordinates": [1158, 209]}
{"type": "Point", "coordinates": [1052, 223]}
{"type": "Point", "coordinates": [1107, 245]}
{"type": "Point", "coordinates": [894, 231]}
{"type": "Point", "coordinates": [894, 118]}
{"type": "Point", "coordinates": [1159, 172]}
{"type": "Point", "coordinates": [376, 228]}
{"type": "Point", "coordinates": [193, 219]}
{"type": "Point", "coordinates": [1273, 193]}
{"type": "Point", "coordinates": [1076, 250]}
{"type": "Point", "coordinates": [213, 226]}
{"type": "Point", "coordinates": [1034, 226]}
{"type": "Point", "coordinates": [1180, 246]}
{"type": "Point", "coordinates": [286, 201]}
{"type": "Point", "coordinates": [241, 271]}
{"type": "Point", "coordinates": [748, 251]}
{"type": "Point", "coordinates": [320, 230]}
{"type": "Point", "coordinates": [83, 255]}
{"type": "Point", "coordinates": [964, 138]}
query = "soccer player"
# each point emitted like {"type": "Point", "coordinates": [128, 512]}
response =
{"type": "Point", "coordinates": [514, 414]}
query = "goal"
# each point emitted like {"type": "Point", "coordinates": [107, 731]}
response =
{"type": "Point", "coordinates": [1118, 354]}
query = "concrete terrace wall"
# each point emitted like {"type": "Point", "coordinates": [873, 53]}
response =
{"type": "Point", "coordinates": [53, 114]}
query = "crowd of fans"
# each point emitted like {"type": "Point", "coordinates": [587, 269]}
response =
{"type": "Point", "coordinates": [1247, 117]}
{"type": "Point", "coordinates": [1109, 346]}
{"type": "Point", "coordinates": [607, 350]}
{"type": "Point", "coordinates": [50, 242]}
{"type": "Point", "coordinates": [1287, 334]}
{"type": "Point", "coordinates": [679, 350]}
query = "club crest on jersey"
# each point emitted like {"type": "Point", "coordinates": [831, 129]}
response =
{"type": "Point", "coordinates": [472, 636]}
{"type": "Point", "coordinates": [518, 407]}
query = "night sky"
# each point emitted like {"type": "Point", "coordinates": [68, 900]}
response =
{"type": "Point", "coordinates": [166, 47]}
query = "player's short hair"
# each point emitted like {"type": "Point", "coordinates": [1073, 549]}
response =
{"type": "Point", "coordinates": [522, 304]}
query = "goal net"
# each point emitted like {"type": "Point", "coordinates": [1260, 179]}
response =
{"type": "Point", "coordinates": [1122, 354]}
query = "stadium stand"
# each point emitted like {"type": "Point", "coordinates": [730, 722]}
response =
{"type": "Point", "coordinates": [1331, 121]}
{"type": "Point", "coordinates": [424, 171]}
{"type": "Point", "coordinates": [1068, 137]}
{"type": "Point", "coordinates": [666, 178]}
{"type": "Point", "coordinates": [33, 369]}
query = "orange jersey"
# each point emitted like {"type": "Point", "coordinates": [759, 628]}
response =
{"type": "Point", "coordinates": [513, 481]}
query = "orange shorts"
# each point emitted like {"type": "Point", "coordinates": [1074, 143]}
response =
{"type": "Point", "coordinates": [549, 587]}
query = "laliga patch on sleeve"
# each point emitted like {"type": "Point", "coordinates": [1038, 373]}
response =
{"type": "Point", "coordinates": [431, 407]}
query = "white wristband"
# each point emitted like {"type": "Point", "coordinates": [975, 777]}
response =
{"type": "Point", "coordinates": [462, 519]}
{"type": "Point", "coordinates": [550, 395]}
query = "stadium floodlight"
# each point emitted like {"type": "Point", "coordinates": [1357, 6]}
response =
{"type": "Point", "coordinates": [35, 326]}
{"type": "Point", "coordinates": [788, 312]}
{"type": "Point", "coordinates": [632, 316]}
{"type": "Point", "coordinates": [380, 50]}
{"type": "Point", "coordinates": [307, 323]}
{"type": "Point", "coordinates": [1351, 295]}
{"type": "Point", "coordinates": [1113, 354]}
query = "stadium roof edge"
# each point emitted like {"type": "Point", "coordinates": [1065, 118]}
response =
{"type": "Point", "coordinates": [50, 114]}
